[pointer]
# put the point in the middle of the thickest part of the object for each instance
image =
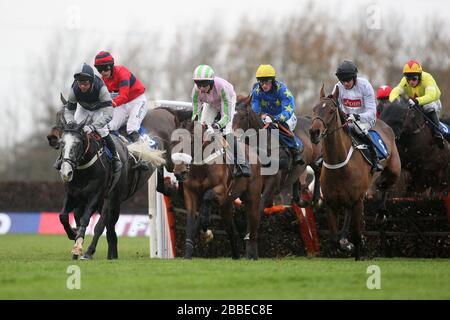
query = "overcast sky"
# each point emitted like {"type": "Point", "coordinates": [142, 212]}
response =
{"type": "Point", "coordinates": [26, 26]}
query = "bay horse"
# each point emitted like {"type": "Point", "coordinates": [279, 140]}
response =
{"type": "Point", "coordinates": [286, 180]}
{"type": "Point", "coordinates": [208, 186]}
{"type": "Point", "coordinates": [427, 164]}
{"type": "Point", "coordinates": [346, 175]}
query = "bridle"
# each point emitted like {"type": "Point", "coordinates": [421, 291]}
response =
{"type": "Point", "coordinates": [328, 132]}
{"type": "Point", "coordinates": [73, 163]}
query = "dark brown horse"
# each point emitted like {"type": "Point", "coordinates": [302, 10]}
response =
{"type": "Point", "coordinates": [209, 186]}
{"type": "Point", "coordinates": [286, 180]}
{"type": "Point", "coordinates": [346, 175]}
{"type": "Point", "coordinates": [427, 164]}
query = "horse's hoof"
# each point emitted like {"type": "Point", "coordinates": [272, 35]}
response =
{"type": "Point", "coordinates": [86, 256]}
{"type": "Point", "coordinates": [346, 245]}
{"type": "Point", "coordinates": [74, 257]}
{"type": "Point", "coordinates": [247, 237]}
{"type": "Point", "coordinates": [207, 236]}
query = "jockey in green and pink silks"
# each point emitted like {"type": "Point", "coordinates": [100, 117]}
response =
{"type": "Point", "coordinates": [212, 95]}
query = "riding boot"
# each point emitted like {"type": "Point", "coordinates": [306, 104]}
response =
{"type": "Point", "coordinates": [437, 135]}
{"type": "Point", "coordinates": [297, 153]}
{"type": "Point", "coordinates": [241, 165]}
{"type": "Point", "coordinates": [116, 162]}
{"type": "Point", "coordinates": [133, 136]}
{"type": "Point", "coordinates": [376, 166]}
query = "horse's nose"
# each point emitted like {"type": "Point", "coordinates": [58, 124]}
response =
{"type": "Point", "coordinates": [314, 134]}
{"type": "Point", "coordinates": [66, 172]}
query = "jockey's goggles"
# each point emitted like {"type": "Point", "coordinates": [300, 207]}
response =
{"type": "Point", "coordinates": [203, 83]}
{"type": "Point", "coordinates": [262, 81]}
{"type": "Point", "coordinates": [101, 68]}
{"type": "Point", "coordinates": [411, 77]}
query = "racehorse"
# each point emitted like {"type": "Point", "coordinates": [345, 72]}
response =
{"type": "Point", "coordinates": [346, 176]}
{"type": "Point", "coordinates": [427, 164]}
{"type": "Point", "coordinates": [286, 180]}
{"type": "Point", "coordinates": [89, 186]}
{"type": "Point", "coordinates": [208, 187]}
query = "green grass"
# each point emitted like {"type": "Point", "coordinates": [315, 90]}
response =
{"type": "Point", "coordinates": [34, 267]}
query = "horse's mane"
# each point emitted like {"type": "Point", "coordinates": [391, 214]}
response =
{"type": "Point", "coordinates": [394, 110]}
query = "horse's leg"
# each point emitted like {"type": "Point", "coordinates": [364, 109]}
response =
{"type": "Point", "coordinates": [333, 227]}
{"type": "Point", "coordinates": [90, 208]}
{"type": "Point", "coordinates": [68, 205]}
{"type": "Point", "coordinates": [111, 213]}
{"type": "Point", "coordinates": [98, 230]}
{"type": "Point", "coordinates": [190, 200]}
{"type": "Point", "coordinates": [226, 212]}
{"type": "Point", "coordinates": [253, 220]}
{"type": "Point", "coordinates": [208, 204]}
{"type": "Point", "coordinates": [268, 193]}
{"type": "Point", "coordinates": [357, 223]}
{"type": "Point", "coordinates": [316, 192]}
{"type": "Point", "coordinates": [343, 242]}
{"type": "Point", "coordinates": [160, 187]}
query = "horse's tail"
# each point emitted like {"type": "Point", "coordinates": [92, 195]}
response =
{"type": "Point", "coordinates": [142, 151]}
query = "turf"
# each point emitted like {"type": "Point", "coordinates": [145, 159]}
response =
{"type": "Point", "coordinates": [34, 267]}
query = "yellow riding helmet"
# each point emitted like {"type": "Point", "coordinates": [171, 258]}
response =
{"type": "Point", "coordinates": [412, 66]}
{"type": "Point", "coordinates": [265, 71]}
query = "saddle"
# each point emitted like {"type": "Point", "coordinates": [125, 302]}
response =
{"type": "Point", "coordinates": [361, 143]}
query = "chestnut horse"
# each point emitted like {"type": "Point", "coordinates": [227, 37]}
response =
{"type": "Point", "coordinates": [346, 175]}
{"type": "Point", "coordinates": [208, 185]}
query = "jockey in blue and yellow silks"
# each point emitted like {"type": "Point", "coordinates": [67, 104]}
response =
{"type": "Point", "coordinates": [272, 97]}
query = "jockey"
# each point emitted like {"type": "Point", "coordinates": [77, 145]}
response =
{"type": "Point", "coordinates": [129, 101]}
{"type": "Point", "coordinates": [382, 98]}
{"type": "Point", "coordinates": [272, 97]}
{"type": "Point", "coordinates": [212, 96]}
{"type": "Point", "coordinates": [422, 90]}
{"type": "Point", "coordinates": [91, 94]}
{"type": "Point", "coordinates": [357, 100]}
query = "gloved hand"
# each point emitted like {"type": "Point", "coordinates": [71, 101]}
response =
{"type": "Point", "coordinates": [209, 131]}
{"type": "Point", "coordinates": [215, 126]}
{"type": "Point", "coordinates": [353, 117]}
{"type": "Point", "coordinates": [267, 119]}
{"type": "Point", "coordinates": [88, 129]}
{"type": "Point", "coordinates": [413, 102]}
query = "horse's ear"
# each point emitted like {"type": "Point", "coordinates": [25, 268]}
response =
{"type": "Point", "coordinates": [335, 93]}
{"type": "Point", "coordinates": [63, 100]}
{"type": "Point", "coordinates": [322, 91]}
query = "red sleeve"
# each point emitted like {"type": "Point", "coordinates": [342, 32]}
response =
{"type": "Point", "coordinates": [123, 78]}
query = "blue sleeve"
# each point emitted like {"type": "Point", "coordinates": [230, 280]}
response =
{"type": "Point", "coordinates": [287, 104]}
{"type": "Point", "coordinates": [255, 101]}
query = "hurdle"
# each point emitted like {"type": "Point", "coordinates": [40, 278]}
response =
{"type": "Point", "coordinates": [162, 237]}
